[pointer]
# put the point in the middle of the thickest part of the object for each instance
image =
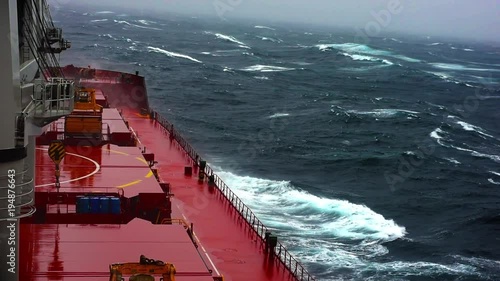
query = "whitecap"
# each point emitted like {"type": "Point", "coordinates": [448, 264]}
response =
{"type": "Point", "coordinates": [261, 77]}
{"type": "Point", "coordinates": [135, 25]}
{"type": "Point", "coordinates": [310, 214]}
{"type": "Point", "coordinates": [172, 54]}
{"type": "Point", "coordinates": [459, 67]}
{"type": "Point", "coordinates": [366, 58]}
{"type": "Point", "coordinates": [277, 115]}
{"type": "Point", "coordinates": [266, 68]}
{"type": "Point", "coordinates": [493, 182]}
{"type": "Point", "coordinates": [453, 160]}
{"type": "Point", "coordinates": [469, 127]}
{"type": "Point", "coordinates": [270, 39]}
{"type": "Point", "coordinates": [230, 39]}
{"type": "Point", "coordinates": [384, 113]}
{"type": "Point", "coordinates": [263, 27]}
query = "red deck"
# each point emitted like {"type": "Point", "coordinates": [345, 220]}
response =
{"type": "Point", "coordinates": [83, 251]}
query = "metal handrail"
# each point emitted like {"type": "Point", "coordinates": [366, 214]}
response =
{"type": "Point", "coordinates": [285, 257]}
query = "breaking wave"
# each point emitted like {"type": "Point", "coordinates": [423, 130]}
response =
{"type": "Point", "coordinates": [230, 39]}
{"type": "Point", "coordinates": [135, 25]}
{"type": "Point", "coordinates": [337, 234]}
{"type": "Point", "coordinates": [449, 78]}
{"type": "Point", "coordinates": [172, 54]}
{"type": "Point", "coordinates": [270, 39]}
{"type": "Point", "coordinates": [266, 68]}
{"type": "Point", "coordinates": [468, 127]}
{"type": "Point", "coordinates": [277, 115]}
{"type": "Point", "coordinates": [459, 67]}
{"type": "Point", "coordinates": [310, 214]}
{"type": "Point", "coordinates": [263, 27]}
{"type": "Point", "coordinates": [384, 113]}
{"type": "Point", "coordinates": [439, 135]}
{"type": "Point", "coordinates": [367, 58]}
{"type": "Point", "coordinates": [351, 49]}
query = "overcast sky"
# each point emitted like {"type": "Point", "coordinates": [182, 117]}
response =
{"type": "Point", "coordinates": [478, 19]}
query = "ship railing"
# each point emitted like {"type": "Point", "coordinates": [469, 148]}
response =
{"type": "Point", "coordinates": [280, 251]}
{"type": "Point", "coordinates": [102, 79]}
{"type": "Point", "coordinates": [17, 190]}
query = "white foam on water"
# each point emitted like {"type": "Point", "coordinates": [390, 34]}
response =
{"type": "Point", "coordinates": [335, 233]}
{"type": "Point", "coordinates": [453, 160]}
{"type": "Point", "coordinates": [103, 20]}
{"type": "Point", "coordinates": [277, 115]}
{"type": "Point", "coordinates": [229, 39]}
{"type": "Point", "coordinates": [270, 39]}
{"type": "Point", "coordinates": [459, 67]}
{"type": "Point", "coordinates": [366, 58]}
{"type": "Point", "coordinates": [266, 68]}
{"type": "Point", "coordinates": [146, 22]}
{"type": "Point", "coordinates": [356, 49]}
{"type": "Point", "coordinates": [493, 182]}
{"type": "Point", "coordinates": [261, 77]}
{"type": "Point", "coordinates": [353, 48]}
{"type": "Point", "coordinates": [135, 25]}
{"type": "Point", "coordinates": [405, 58]}
{"type": "Point", "coordinates": [172, 54]}
{"type": "Point", "coordinates": [384, 112]}
{"type": "Point", "coordinates": [468, 127]}
{"type": "Point", "coordinates": [263, 27]}
{"type": "Point", "coordinates": [311, 214]}
{"type": "Point", "coordinates": [437, 135]}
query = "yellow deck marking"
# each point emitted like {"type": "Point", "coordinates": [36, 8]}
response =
{"type": "Point", "coordinates": [129, 184]}
{"type": "Point", "coordinates": [148, 175]}
{"type": "Point", "coordinates": [142, 160]}
{"type": "Point", "coordinates": [97, 168]}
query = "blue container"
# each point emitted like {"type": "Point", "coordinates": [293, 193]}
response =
{"type": "Point", "coordinates": [83, 205]}
{"type": "Point", "coordinates": [115, 206]}
{"type": "Point", "coordinates": [104, 205]}
{"type": "Point", "coordinates": [79, 204]}
{"type": "Point", "coordinates": [95, 205]}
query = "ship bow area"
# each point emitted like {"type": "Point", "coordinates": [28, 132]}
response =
{"type": "Point", "coordinates": [123, 90]}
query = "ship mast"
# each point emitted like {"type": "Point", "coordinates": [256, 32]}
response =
{"type": "Point", "coordinates": [33, 94]}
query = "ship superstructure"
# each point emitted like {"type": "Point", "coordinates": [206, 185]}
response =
{"type": "Point", "coordinates": [98, 186]}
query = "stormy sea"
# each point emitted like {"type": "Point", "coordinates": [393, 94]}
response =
{"type": "Point", "coordinates": [372, 158]}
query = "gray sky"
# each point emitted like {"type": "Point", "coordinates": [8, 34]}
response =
{"type": "Point", "coordinates": [478, 19]}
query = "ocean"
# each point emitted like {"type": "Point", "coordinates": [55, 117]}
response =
{"type": "Point", "coordinates": [371, 159]}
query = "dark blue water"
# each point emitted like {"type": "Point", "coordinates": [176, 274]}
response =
{"type": "Point", "coordinates": [372, 160]}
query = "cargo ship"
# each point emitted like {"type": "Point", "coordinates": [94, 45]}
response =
{"type": "Point", "coordinates": [96, 185]}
